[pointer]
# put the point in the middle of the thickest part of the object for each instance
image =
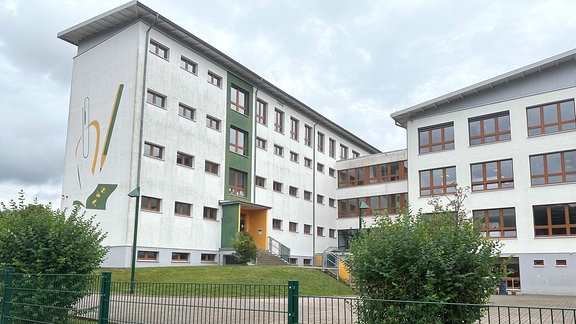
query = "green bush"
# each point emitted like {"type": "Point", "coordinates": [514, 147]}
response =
{"type": "Point", "coordinates": [245, 249]}
{"type": "Point", "coordinates": [439, 257]}
{"type": "Point", "coordinates": [45, 247]}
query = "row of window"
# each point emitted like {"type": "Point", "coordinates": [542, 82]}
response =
{"type": "Point", "coordinates": [385, 172]}
{"type": "Point", "coordinates": [183, 159]}
{"type": "Point", "coordinates": [176, 256]}
{"type": "Point", "coordinates": [547, 168]}
{"type": "Point", "coordinates": [376, 205]}
{"type": "Point", "coordinates": [293, 191]}
{"type": "Point", "coordinates": [180, 208]}
{"type": "Point", "coordinates": [293, 227]}
{"type": "Point", "coordinates": [549, 220]}
{"type": "Point", "coordinates": [541, 119]}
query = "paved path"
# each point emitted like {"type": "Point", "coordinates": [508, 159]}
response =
{"type": "Point", "coordinates": [535, 301]}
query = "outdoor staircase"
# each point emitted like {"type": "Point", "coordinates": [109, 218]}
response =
{"type": "Point", "coordinates": [267, 258]}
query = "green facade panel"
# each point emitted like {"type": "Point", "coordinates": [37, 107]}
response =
{"type": "Point", "coordinates": [230, 224]}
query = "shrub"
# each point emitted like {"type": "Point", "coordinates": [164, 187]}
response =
{"type": "Point", "coordinates": [245, 249]}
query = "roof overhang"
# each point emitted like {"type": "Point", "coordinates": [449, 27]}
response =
{"type": "Point", "coordinates": [243, 204]}
{"type": "Point", "coordinates": [135, 11]}
{"type": "Point", "coordinates": [403, 116]}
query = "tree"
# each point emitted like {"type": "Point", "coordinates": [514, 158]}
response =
{"type": "Point", "coordinates": [245, 249]}
{"type": "Point", "coordinates": [439, 257]}
{"type": "Point", "coordinates": [42, 245]}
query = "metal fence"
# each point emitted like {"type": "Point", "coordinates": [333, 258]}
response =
{"type": "Point", "coordinates": [79, 299]}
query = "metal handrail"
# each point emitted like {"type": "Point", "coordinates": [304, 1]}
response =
{"type": "Point", "coordinates": [279, 249]}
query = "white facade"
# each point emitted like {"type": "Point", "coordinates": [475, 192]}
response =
{"type": "Point", "coordinates": [545, 262]}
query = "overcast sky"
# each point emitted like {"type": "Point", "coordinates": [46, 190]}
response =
{"type": "Point", "coordinates": [355, 62]}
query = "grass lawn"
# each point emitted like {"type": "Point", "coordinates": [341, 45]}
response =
{"type": "Point", "coordinates": [311, 281]}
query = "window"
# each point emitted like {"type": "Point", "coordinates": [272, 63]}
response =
{"type": "Point", "coordinates": [158, 49]}
{"type": "Point", "coordinates": [185, 160]}
{"type": "Point", "coordinates": [212, 122]}
{"type": "Point", "coordinates": [278, 150]}
{"type": "Point", "coordinates": [436, 138]}
{"type": "Point", "coordinates": [332, 172]}
{"type": "Point", "coordinates": [379, 173]}
{"type": "Point", "coordinates": [438, 181]}
{"type": "Point", "coordinates": [188, 65]}
{"type": "Point", "coordinates": [489, 128]}
{"type": "Point", "coordinates": [214, 79]}
{"type": "Point", "coordinates": [147, 256]}
{"type": "Point", "coordinates": [260, 143]}
{"type": "Point", "coordinates": [553, 168]}
{"type": "Point", "coordinates": [307, 229]}
{"type": "Point", "coordinates": [307, 162]}
{"type": "Point", "coordinates": [277, 186]}
{"type": "Point", "coordinates": [180, 257]}
{"type": "Point", "coordinates": [307, 195]}
{"type": "Point", "coordinates": [492, 175]}
{"type": "Point", "coordinates": [538, 263]}
{"type": "Point", "coordinates": [307, 262]}
{"type": "Point", "coordinates": [343, 152]}
{"type": "Point", "coordinates": [262, 112]}
{"type": "Point", "coordinates": [293, 260]}
{"type": "Point", "coordinates": [277, 224]}
{"type": "Point", "coordinates": [207, 257]}
{"type": "Point", "coordinates": [182, 209]}
{"type": "Point", "coordinates": [551, 118]}
{"type": "Point", "coordinates": [293, 191]}
{"type": "Point", "coordinates": [279, 121]}
{"type": "Point", "coordinates": [238, 141]}
{"type": "Point", "coordinates": [237, 183]}
{"type": "Point", "coordinates": [561, 263]}
{"type": "Point", "coordinates": [332, 148]}
{"type": "Point", "coordinates": [212, 167]}
{"type": "Point", "coordinates": [156, 99]}
{"type": "Point", "coordinates": [320, 167]}
{"type": "Point", "coordinates": [153, 150]}
{"type": "Point", "coordinates": [186, 112]}
{"type": "Point", "coordinates": [293, 156]}
{"type": "Point", "coordinates": [355, 154]}
{"type": "Point", "coordinates": [320, 199]}
{"type": "Point", "coordinates": [308, 135]}
{"type": "Point", "coordinates": [150, 204]}
{"type": "Point", "coordinates": [260, 182]}
{"type": "Point", "coordinates": [377, 205]}
{"type": "Point", "coordinates": [332, 233]}
{"type": "Point", "coordinates": [238, 100]}
{"type": "Point", "coordinates": [554, 220]}
{"type": "Point", "coordinates": [320, 142]}
{"type": "Point", "coordinates": [210, 213]}
{"type": "Point", "coordinates": [331, 202]}
{"type": "Point", "coordinates": [293, 227]}
{"type": "Point", "coordinates": [497, 223]}
{"type": "Point", "coordinates": [320, 231]}
{"type": "Point", "coordinates": [294, 125]}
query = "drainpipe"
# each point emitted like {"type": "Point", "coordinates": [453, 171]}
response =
{"type": "Point", "coordinates": [314, 193]}
{"type": "Point", "coordinates": [254, 142]}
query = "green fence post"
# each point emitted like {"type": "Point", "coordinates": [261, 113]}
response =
{"type": "Point", "coordinates": [7, 296]}
{"type": "Point", "coordinates": [292, 302]}
{"type": "Point", "coordinates": [104, 298]}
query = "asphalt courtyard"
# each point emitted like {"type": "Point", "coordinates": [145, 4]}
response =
{"type": "Point", "coordinates": [552, 301]}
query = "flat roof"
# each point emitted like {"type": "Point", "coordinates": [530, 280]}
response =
{"type": "Point", "coordinates": [134, 11]}
{"type": "Point", "coordinates": [401, 117]}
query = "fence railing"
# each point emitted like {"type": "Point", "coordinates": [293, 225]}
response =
{"type": "Point", "coordinates": [97, 299]}
{"type": "Point", "coordinates": [279, 249]}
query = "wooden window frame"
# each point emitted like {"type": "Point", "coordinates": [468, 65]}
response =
{"type": "Point", "coordinates": [308, 229]}
{"type": "Point", "coordinates": [444, 187]}
{"type": "Point", "coordinates": [159, 50]}
{"type": "Point", "coordinates": [332, 147]}
{"type": "Point", "coordinates": [553, 222]}
{"type": "Point", "coordinates": [500, 133]}
{"type": "Point", "coordinates": [279, 121]}
{"type": "Point", "coordinates": [180, 210]}
{"type": "Point", "coordinates": [320, 144]}
{"type": "Point", "coordinates": [186, 112]}
{"type": "Point", "coordinates": [547, 178]}
{"type": "Point", "coordinates": [262, 112]}
{"type": "Point", "coordinates": [278, 150]}
{"type": "Point", "coordinates": [276, 224]}
{"type": "Point", "coordinates": [210, 213]}
{"type": "Point", "coordinates": [208, 257]}
{"type": "Point", "coordinates": [293, 227]}
{"type": "Point", "coordinates": [238, 141]}
{"type": "Point", "coordinates": [500, 182]}
{"type": "Point", "coordinates": [308, 162]}
{"type": "Point", "coordinates": [307, 195]}
{"type": "Point", "coordinates": [180, 257]}
{"type": "Point", "coordinates": [181, 159]}
{"type": "Point", "coordinates": [308, 135]}
{"type": "Point", "coordinates": [260, 182]}
{"type": "Point", "coordinates": [156, 99]}
{"type": "Point", "coordinates": [213, 122]}
{"type": "Point", "coordinates": [146, 204]}
{"type": "Point", "coordinates": [261, 143]}
{"type": "Point", "coordinates": [147, 255]}
{"type": "Point", "coordinates": [211, 167]}
{"type": "Point", "coordinates": [294, 128]}
{"type": "Point", "coordinates": [188, 65]}
{"type": "Point", "coordinates": [214, 79]}
{"type": "Point", "coordinates": [294, 157]}
{"type": "Point", "coordinates": [538, 263]}
{"type": "Point", "coordinates": [149, 149]}
{"type": "Point", "coordinates": [445, 142]}
{"type": "Point", "coordinates": [277, 186]}
{"type": "Point", "coordinates": [385, 172]}
{"type": "Point", "coordinates": [236, 103]}
{"type": "Point", "coordinates": [390, 203]}
{"type": "Point", "coordinates": [237, 183]}
{"type": "Point", "coordinates": [541, 127]}
{"type": "Point", "coordinates": [561, 262]}
{"type": "Point", "coordinates": [293, 191]}
{"type": "Point", "coordinates": [483, 216]}
{"type": "Point", "coordinates": [343, 152]}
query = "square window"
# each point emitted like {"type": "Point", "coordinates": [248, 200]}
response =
{"type": "Point", "coordinates": [332, 233]}
{"type": "Point", "coordinates": [307, 162]}
{"type": "Point", "coordinates": [293, 191]}
{"type": "Point", "coordinates": [320, 231]}
{"type": "Point", "coordinates": [293, 260]}
{"type": "Point", "coordinates": [277, 186]}
{"type": "Point", "coordinates": [260, 182]}
{"type": "Point", "coordinates": [211, 167]}
{"type": "Point", "coordinates": [307, 262]}
{"type": "Point", "coordinates": [260, 143]}
{"type": "Point", "coordinates": [182, 209]}
{"type": "Point", "coordinates": [156, 99]}
{"type": "Point", "coordinates": [262, 112]}
{"type": "Point", "coordinates": [212, 122]}
{"type": "Point", "coordinates": [158, 49]}
{"type": "Point", "coordinates": [150, 204]}
{"type": "Point", "coordinates": [277, 224]}
{"type": "Point", "coordinates": [307, 195]}
{"type": "Point", "coordinates": [307, 229]}
{"type": "Point", "coordinates": [278, 150]}
{"type": "Point", "coordinates": [332, 172]}
{"type": "Point", "coordinates": [188, 65]}
{"type": "Point", "coordinates": [185, 160]}
{"type": "Point", "coordinates": [153, 150]}
{"type": "Point", "coordinates": [214, 79]}
{"type": "Point", "coordinates": [320, 167]}
{"type": "Point", "coordinates": [293, 156]}
{"type": "Point", "coordinates": [320, 199]}
{"type": "Point", "coordinates": [210, 213]}
{"type": "Point", "coordinates": [186, 112]}
{"type": "Point", "coordinates": [293, 227]}
{"type": "Point", "coordinates": [331, 202]}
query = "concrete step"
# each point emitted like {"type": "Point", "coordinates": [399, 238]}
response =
{"type": "Point", "coordinates": [267, 258]}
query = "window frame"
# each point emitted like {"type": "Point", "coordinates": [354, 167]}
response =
{"type": "Point", "coordinates": [294, 157]}
{"type": "Point", "coordinates": [152, 98]}
{"type": "Point", "coordinates": [149, 148]}
{"type": "Point", "coordinates": [343, 152]}
{"type": "Point", "coordinates": [207, 258]}
{"type": "Point", "coordinates": [261, 112]}
{"type": "Point", "coordinates": [238, 141]}
{"type": "Point", "coordinates": [308, 162]}
{"type": "Point", "coordinates": [279, 120]}
{"type": "Point", "coordinates": [180, 157]}
{"type": "Point", "coordinates": [444, 143]}
{"type": "Point", "coordinates": [308, 135]}
{"type": "Point", "coordinates": [294, 128]}
{"type": "Point", "coordinates": [320, 144]}
{"type": "Point", "coordinates": [564, 175]}
{"type": "Point", "coordinates": [447, 188]}
{"type": "Point", "coordinates": [500, 133]}
{"type": "Point", "coordinates": [209, 167]}
{"type": "Point", "coordinates": [210, 213]}
{"type": "Point", "coordinates": [276, 224]}
{"type": "Point", "coordinates": [146, 255]}
{"type": "Point", "coordinates": [213, 123]}
{"type": "Point", "coordinates": [293, 227]}
{"type": "Point", "coordinates": [561, 125]}
{"type": "Point", "coordinates": [483, 215]}
{"type": "Point", "coordinates": [277, 186]}
{"type": "Point", "coordinates": [157, 48]}
{"type": "Point", "coordinates": [332, 147]}
{"type": "Point", "coordinates": [186, 63]}
{"type": "Point", "coordinates": [293, 191]}
{"type": "Point", "coordinates": [214, 79]}
{"type": "Point", "coordinates": [307, 195]}
{"type": "Point", "coordinates": [236, 103]}
{"type": "Point", "coordinates": [261, 143]}
{"type": "Point", "coordinates": [146, 204]}
{"type": "Point", "coordinates": [180, 211]}
{"type": "Point", "coordinates": [371, 174]}
{"type": "Point", "coordinates": [567, 223]}
{"type": "Point", "coordinates": [278, 150]}
{"type": "Point", "coordinates": [487, 183]}
{"type": "Point", "coordinates": [182, 257]}
{"type": "Point", "coordinates": [260, 182]}
{"type": "Point", "coordinates": [308, 229]}
{"type": "Point", "coordinates": [237, 183]}
{"type": "Point", "coordinates": [186, 112]}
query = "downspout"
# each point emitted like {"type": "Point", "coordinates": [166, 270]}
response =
{"type": "Point", "coordinates": [254, 142]}
{"type": "Point", "coordinates": [314, 193]}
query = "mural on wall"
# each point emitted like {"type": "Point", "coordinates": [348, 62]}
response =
{"type": "Point", "coordinates": [97, 199]}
